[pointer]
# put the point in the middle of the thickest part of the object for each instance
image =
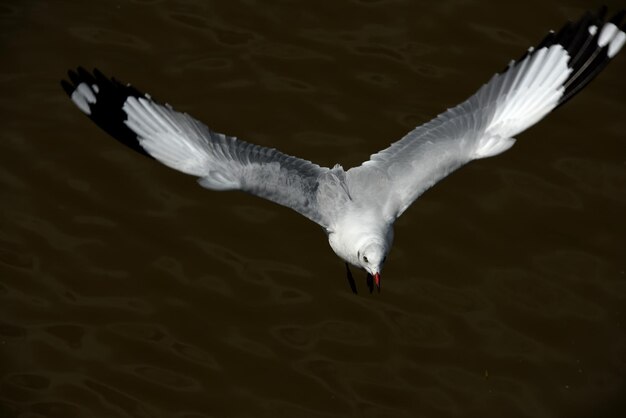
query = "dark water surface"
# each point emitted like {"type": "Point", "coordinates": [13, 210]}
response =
{"type": "Point", "coordinates": [128, 291]}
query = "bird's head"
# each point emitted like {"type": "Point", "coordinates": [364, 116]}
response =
{"type": "Point", "coordinates": [371, 257]}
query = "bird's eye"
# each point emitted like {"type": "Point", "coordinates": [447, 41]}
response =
{"type": "Point", "coordinates": [365, 259]}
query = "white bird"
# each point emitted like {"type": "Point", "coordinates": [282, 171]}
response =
{"type": "Point", "coordinates": [359, 226]}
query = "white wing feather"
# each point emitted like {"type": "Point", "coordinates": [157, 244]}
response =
{"type": "Point", "coordinates": [485, 124]}
{"type": "Point", "coordinates": [226, 163]}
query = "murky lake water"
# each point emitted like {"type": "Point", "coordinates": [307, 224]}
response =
{"type": "Point", "coordinates": [128, 291]}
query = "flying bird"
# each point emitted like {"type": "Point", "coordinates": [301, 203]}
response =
{"type": "Point", "coordinates": [357, 208]}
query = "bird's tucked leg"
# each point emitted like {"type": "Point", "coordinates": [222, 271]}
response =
{"type": "Point", "coordinates": [370, 282]}
{"type": "Point", "coordinates": [351, 281]}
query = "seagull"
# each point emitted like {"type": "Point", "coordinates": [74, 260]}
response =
{"type": "Point", "coordinates": [357, 208]}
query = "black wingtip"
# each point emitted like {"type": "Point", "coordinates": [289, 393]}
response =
{"type": "Point", "coordinates": [591, 58]}
{"type": "Point", "coordinates": [601, 12]}
{"type": "Point", "coordinates": [617, 19]}
{"type": "Point", "coordinates": [580, 40]}
{"type": "Point", "coordinates": [107, 109]}
{"type": "Point", "coordinates": [85, 76]}
{"type": "Point", "coordinates": [67, 87]}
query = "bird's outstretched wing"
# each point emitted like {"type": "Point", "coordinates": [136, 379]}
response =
{"type": "Point", "coordinates": [544, 78]}
{"type": "Point", "coordinates": [184, 144]}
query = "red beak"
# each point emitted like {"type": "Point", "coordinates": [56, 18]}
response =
{"type": "Point", "coordinates": [377, 281]}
